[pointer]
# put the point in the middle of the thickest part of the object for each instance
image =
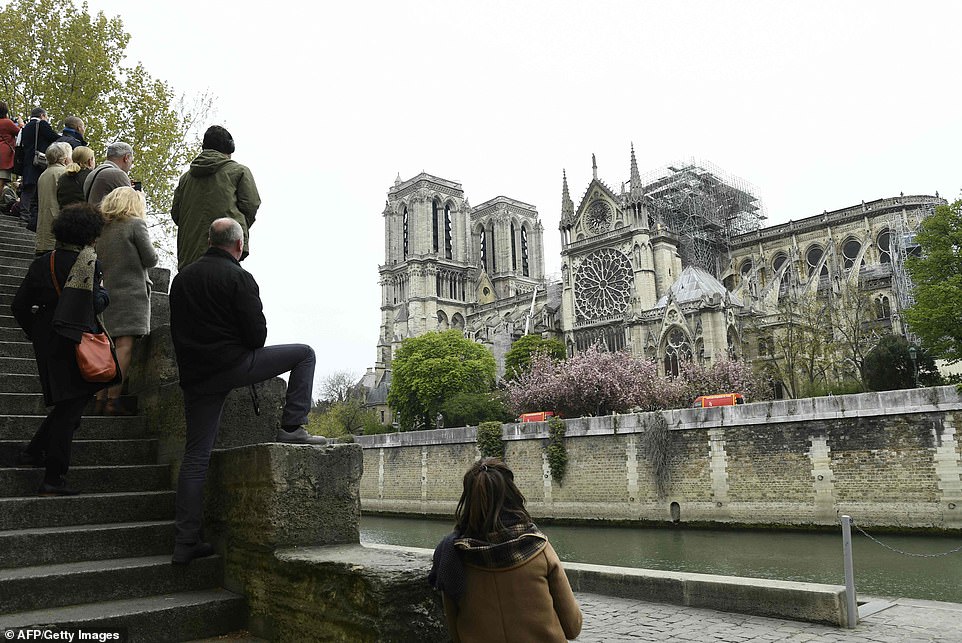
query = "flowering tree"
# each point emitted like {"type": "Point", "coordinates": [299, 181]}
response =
{"type": "Point", "coordinates": [596, 382]}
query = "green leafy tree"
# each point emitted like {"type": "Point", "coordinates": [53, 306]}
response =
{"type": "Point", "coordinates": [518, 358]}
{"type": "Point", "coordinates": [429, 369]}
{"type": "Point", "coordinates": [889, 366]}
{"type": "Point", "coordinates": [936, 316]}
{"type": "Point", "coordinates": [59, 56]}
{"type": "Point", "coordinates": [468, 409]}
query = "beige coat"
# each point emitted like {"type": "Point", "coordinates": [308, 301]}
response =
{"type": "Point", "coordinates": [47, 207]}
{"type": "Point", "coordinates": [529, 602]}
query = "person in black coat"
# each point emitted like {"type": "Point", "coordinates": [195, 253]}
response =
{"type": "Point", "coordinates": [37, 134]}
{"type": "Point", "coordinates": [55, 328]}
{"type": "Point", "coordinates": [73, 132]}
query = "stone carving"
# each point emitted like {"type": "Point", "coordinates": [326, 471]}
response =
{"type": "Point", "coordinates": [603, 284]}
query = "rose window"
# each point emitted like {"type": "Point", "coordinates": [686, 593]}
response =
{"type": "Point", "coordinates": [603, 284]}
{"type": "Point", "coordinates": [598, 217]}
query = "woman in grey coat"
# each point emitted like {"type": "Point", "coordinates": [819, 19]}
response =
{"type": "Point", "coordinates": [125, 252]}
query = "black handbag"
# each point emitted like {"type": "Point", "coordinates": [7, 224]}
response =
{"type": "Point", "coordinates": [39, 158]}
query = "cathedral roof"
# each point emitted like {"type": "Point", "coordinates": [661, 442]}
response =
{"type": "Point", "coordinates": [696, 284]}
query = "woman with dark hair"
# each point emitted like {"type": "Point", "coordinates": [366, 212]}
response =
{"type": "Point", "coordinates": [499, 576]}
{"type": "Point", "coordinates": [9, 128]}
{"type": "Point", "coordinates": [65, 287]}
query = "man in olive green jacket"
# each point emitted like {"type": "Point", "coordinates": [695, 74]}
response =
{"type": "Point", "coordinates": [213, 187]}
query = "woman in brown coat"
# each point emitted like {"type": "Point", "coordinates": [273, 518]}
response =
{"type": "Point", "coordinates": [500, 578]}
{"type": "Point", "coordinates": [126, 252]}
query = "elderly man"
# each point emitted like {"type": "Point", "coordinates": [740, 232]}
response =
{"type": "Point", "coordinates": [110, 174]}
{"type": "Point", "coordinates": [214, 186]}
{"type": "Point", "coordinates": [218, 327]}
{"type": "Point", "coordinates": [58, 157]}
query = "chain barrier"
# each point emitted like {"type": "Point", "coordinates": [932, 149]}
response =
{"type": "Point", "coordinates": [905, 553]}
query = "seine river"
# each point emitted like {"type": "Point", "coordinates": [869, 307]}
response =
{"type": "Point", "coordinates": [812, 557]}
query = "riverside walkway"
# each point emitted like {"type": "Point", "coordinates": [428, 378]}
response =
{"type": "Point", "coordinates": [614, 620]}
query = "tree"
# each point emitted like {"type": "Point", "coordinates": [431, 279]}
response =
{"type": "Point", "coordinates": [340, 386]}
{"type": "Point", "coordinates": [467, 409]}
{"type": "Point", "coordinates": [936, 316]}
{"type": "Point", "coordinates": [70, 62]}
{"type": "Point", "coordinates": [518, 358]}
{"type": "Point", "coordinates": [430, 368]}
{"type": "Point", "coordinates": [851, 318]}
{"type": "Point", "coordinates": [889, 366]}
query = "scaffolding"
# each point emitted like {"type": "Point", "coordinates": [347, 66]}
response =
{"type": "Point", "coordinates": [902, 245]}
{"type": "Point", "coordinates": [705, 208]}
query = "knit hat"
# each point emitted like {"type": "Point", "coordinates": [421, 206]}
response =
{"type": "Point", "coordinates": [219, 139]}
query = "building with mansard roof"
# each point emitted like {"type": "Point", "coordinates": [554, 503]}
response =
{"type": "Point", "coordinates": [673, 265]}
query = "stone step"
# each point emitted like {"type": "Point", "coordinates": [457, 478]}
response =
{"type": "Point", "coordinates": [85, 509]}
{"type": "Point", "coordinates": [22, 260]}
{"type": "Point", "coordinates": [18, 366]}
{"type": "Point", "coordinates": [15, 383]}
{"type": "Point", "coordinates": [22, 241]}
{"type": "Point", "coordinates": [94, 452]}
{"type": "Point", "coordinates": [32, 403]}
{"type": "Point", "coordinates": [12, 334]}
{"type": "Point", "coordinates": [51, 545]}
{"type": "Point", "coordinates": [92, 427]}
{"type": "Point", "coordinates": [16, 271]}
{"type": "Point", "coordinates": [18, 348]}
{"type": "Point", "coordinates": [25, 481]}
{"type": "Point", "coordinates": [6, 299]}
{"type": "Point", "coordinates": [7, 320]}
{"type": "Point", "coordinates": [11, 281]}
{"type": "Point", "coordinates": [172, 617]}
{"type": "Point", "coordinates": [104, 580]}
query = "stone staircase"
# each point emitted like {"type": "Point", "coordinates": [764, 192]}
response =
{"type": "Point", "coordinates": [100, 559]}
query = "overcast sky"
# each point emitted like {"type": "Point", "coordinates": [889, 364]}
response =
{"type": "Point", "coordinates": [818, 105]}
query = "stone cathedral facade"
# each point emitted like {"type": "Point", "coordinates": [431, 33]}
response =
{"type": "Point", "coordinates": [673, 266]}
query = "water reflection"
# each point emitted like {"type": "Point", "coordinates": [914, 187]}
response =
{"type": "Point", "coordinates": [807, 557]}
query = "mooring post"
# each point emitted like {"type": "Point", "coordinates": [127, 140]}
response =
{"type": "Point", "coordinates": [851, 602]}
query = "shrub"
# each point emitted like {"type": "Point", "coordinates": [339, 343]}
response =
{"type": "Point", "coordinates": [490, 443]}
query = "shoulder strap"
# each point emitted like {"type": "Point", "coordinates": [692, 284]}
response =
{"type": "Point", "coordinates": [53, 275]}
{"type": "Point", "coordinates": [36, 134]}
{"type": "Point", "coordinates": [92, 177]}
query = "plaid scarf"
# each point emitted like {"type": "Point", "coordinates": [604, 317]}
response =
{"type": "Point", "coordinates": [513, 545]}
{"type": "Point", "coordinates": [509, 547]}
{"type": "Point", "coordinates": [74, 314]}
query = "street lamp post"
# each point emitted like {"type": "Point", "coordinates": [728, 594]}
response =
{"type": "Point", "coordinates": [915, 371]}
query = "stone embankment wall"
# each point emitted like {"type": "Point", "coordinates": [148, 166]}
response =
{"type": "Point", "coordinates": [890, 459]}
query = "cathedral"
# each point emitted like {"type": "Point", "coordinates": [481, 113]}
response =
{"type": "Point", "coordinates": [673, 265]}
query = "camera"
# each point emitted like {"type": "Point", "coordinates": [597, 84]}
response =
{"type": "Point", "coordinates": [138, 185]}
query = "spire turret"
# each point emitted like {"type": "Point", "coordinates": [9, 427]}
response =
{"type": "Point", "coordinates": [594, 167]}
{"type": "Point", "coordinates": [567, 205]}
{"type": "Point", "coordinates": [637, 191]}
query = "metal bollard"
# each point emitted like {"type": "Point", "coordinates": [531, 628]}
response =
{"type": "Point", "coordinates": [851, 602]}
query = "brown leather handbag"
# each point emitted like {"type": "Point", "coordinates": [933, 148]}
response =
{"type": "Point", "coordinates": [95, 352]}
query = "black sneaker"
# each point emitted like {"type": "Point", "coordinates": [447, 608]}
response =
{"type": "Point", "coordinates": [58, 489]}
{"type": "Point", "coordinates": [183, 553]}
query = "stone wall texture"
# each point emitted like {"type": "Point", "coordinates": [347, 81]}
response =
{"type": "Point", "coordinates": [891, 459]}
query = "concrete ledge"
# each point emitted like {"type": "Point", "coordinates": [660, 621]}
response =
{"type": "Point", "coordinates": [810, 602]}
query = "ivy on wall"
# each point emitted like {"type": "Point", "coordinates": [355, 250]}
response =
{"type": "Point", "coordinates": [557, 453]}
{"type": "Point", "coordinates": [656, 447]}
{"type": "Point", "coordinates": [490, 443]}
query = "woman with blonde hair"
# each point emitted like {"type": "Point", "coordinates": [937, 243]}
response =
{"type": "Point", "coordinates": [70, 185]}
{"type": "Point", "coordinates": [125, 252]}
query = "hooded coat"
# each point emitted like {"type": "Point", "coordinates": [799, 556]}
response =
{"type": "Point", "coordinates": [214, 187]}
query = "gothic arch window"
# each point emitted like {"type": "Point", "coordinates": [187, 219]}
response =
{"type": "Point", "coordinates": [457, 321]}
{"type": "Point", "coordinates": [514, 248]}
{"type": "Point", "coordinates": [435, 209]}
{"type": "Point", "coordinates": [603, 285]}
{"type": "Point", "coordinates": [442, 321]}
{"type": "Point", "coordinates": [746, 268]}
{"type": "Point", "coordinates": [483, 248]}
{"type": "Point", "coordinates": [850, 251]}
{"type": "Point", "coordinates": [524, 251]}
{"type": "Point", "coordinates": [779, 261]}
{"type": "Point", "coordinates": [677, 350]}
{"type": "Point", "coordinates": [448, 238]}
{"type": "Point", "coordinates": [812, 257]}
{"type": "Point", "coordinates": [883, 241]}
{"type": "Point", "coordinates": [729, 283]}
{"type": "Point", "coordinates": [883, 309]}
{"type": "Point", "coordinates": [733, 353]}
{"type": "Point", "coordinates": [404, 234]}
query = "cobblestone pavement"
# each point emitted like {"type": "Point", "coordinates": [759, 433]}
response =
{"type": "Point", "coordinates": [613, 620]}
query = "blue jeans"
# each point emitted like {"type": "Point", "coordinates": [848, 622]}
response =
{"type": "Point", "coordinates": [203, 406]}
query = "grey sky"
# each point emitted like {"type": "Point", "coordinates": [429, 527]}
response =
{"type": "Point", "coordinates": [819, 105]}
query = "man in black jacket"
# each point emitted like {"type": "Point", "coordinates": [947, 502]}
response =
{"type": "Point", "coordinates": [218, 328]}
{"type": "Point", "coordinates": [73, 132]}
{"type": "Point", "coordinates": [37, 134]}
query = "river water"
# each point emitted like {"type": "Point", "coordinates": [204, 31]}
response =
{"type": "Point", "coordinates": [794, 556]}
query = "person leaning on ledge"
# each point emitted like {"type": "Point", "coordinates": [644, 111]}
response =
{"type": "Point", "coordinates": [218, 327]}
